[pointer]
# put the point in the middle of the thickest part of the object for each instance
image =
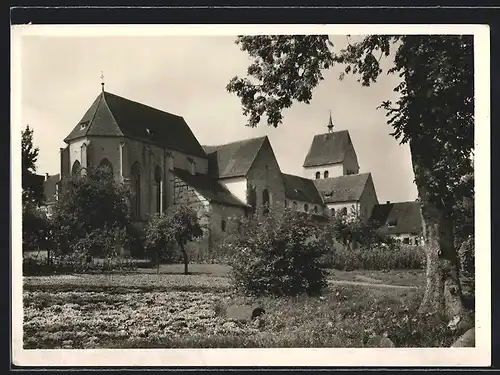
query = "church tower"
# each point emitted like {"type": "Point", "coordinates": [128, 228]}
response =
{"type": "Point", "coordinates": [331, 155]}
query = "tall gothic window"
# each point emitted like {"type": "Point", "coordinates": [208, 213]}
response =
{"type": "Point", "coordinates": [135, 180]}
{"type": "Point", "coordinates": [158, 188]}
{"type": "Point", "coordinates": [265, 201]}
{"type": "Point", "coordinates": [105, 163]}
{"type": "Point", "coordinates": [76, 168]}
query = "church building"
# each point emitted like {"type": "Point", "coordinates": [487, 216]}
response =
{"type": "Point", "coordinates": [157, 155]}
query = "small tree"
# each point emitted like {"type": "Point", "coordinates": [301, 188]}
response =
{"type": "Point", "coordinates": [176, 227]}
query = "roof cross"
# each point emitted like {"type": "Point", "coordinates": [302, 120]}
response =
{"type": "Point", "coordinates": [102, 80]}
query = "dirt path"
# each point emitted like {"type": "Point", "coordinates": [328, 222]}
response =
{"type": "Point", "coordinates": [361, 283]}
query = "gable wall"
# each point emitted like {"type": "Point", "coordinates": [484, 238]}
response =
{"type": "Point", "coordinates": [267, 178]}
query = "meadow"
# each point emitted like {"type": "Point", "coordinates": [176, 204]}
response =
{"type": "Point", "coordinates": [143, 309]}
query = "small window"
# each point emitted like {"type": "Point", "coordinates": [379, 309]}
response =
{"type": "Point", "coordinates": [392, 223]}
{"type": "Point", "coordinates": [306, 207]}
{"type": "Point", "coordinates": [315, 209]}
{"type": "Point", "coordinates": [325, 175]}
{"type": "Point", "coordinates": [294, 204]}
{"type": "Point", "coordinates": [344, 211]}
{"type": "Point", "coordinates": [332, 211]}
{"type": "Point", "coordinates": [406, 241]}
{"type": "Point", "coordinates": [416, 241]}
{"type": "Point", "coordinates": [318, 175]}
{"type": "Point", "coordinates": [223, 225]}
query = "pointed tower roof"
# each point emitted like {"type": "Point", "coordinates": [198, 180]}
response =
{"type": "Point", "coordinates": [330, 123]}
{"type": "Point", "coordinates": [113, 115]}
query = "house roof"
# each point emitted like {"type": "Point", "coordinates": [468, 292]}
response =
{"type": "Point", "coordinates": [328, 148]}
{"type": "Point", "coordinates": [49, 188]}
{"type": "Point", "coordinates": [113, 115]}
{"type": "Point", "coordinates": [405, 217]}
{"type": "Point", "coordinates": [301, 189]}
{"type": "Point", "coordinates": [233, 159]}
{"type": "Point", "coordinates": [346, 188]}
{"type": "Point", "coordinates": [209, 188]}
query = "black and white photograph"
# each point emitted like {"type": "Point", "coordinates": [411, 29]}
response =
{"type": "Point", "coordinates": [250, 195]}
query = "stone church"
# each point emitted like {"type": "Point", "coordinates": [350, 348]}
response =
{"type": "Point", "coordinates": [157, 155]}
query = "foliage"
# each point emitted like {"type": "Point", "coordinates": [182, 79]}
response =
{"type": "Point", "coordinates": [380, 258]}
{"type": "Point", "coordinates": [37, 228]}
{"type": "Point", "coordinates": [279, 254]}
{"type": "Point", "coordinates": [32, 186]}
{"type": "Point", "coordinates": [176, 227]}
{"type": "Point", "coordinates": [285, 68]}
{"type": "Point", "coordinates": [89, 206]}
{"type": "Point", "coordinates": [351, 230]}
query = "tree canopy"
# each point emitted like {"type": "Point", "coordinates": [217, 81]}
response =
{"type": "Point", "coordinates": [31, 183]}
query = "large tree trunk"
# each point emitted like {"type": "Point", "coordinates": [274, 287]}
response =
{"type": "Point", "coordinates": [443, 294]}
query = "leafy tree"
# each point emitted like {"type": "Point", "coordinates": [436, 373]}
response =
{"type": "Point", "coordinates": [32, 186]}
{"type": "Point", "coordinates": [176, 227]}
{"type": "Point", "coordinates": [434, 114]}
{"type": "Point", "coordinates": [37, 229]}
{"type": "Point", "coordinates": [90, 206]}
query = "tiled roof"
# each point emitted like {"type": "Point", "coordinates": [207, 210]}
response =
{"type": "Point", "coordinates": [348, 188]}
{"type": "Point", "coordinates": [301, 189]}
{"type": "Point", "coordinates": [113, 115]}
{"type": "Point", "coordinates": [404, 217]}
{"type": "Point", "coordinates": [49, 188]}
{"type": "Point", "coordinates": [328, 148]}
{"type": "Point", "coordinates": [233, 159]}
{"type": "Point", "coordinates": [210, 188]}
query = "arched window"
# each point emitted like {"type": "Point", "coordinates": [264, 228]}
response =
{"type": "Point", "coordinates": [315, 209]}
{"type": "Point", "coordinates": [106, 164]}
{"type": "Point", "coordinates": [76, 168]}
{"type": "Point", "coordinates": [158, 188]}
{"type": "Point", "coordinates": [306, 207]}
{"type": "Point", "coordinates": [318, 175]}
{"type": "Point", "coordinates": [295, 205]}
{"type": "Point", "coordinates": [135, 181]}
{"type": "Point", "coordinates": [344, 211]}
{"type": "Point", "coordinates": [265, 201]}
{"type": "Point", "coordinates": [332, 211]}
{"type": "Point", "coordinates": [223, 225]}
{"type": "Point", "coordinates": [325, 174]}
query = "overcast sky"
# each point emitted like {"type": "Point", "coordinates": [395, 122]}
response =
{"type": "Point", "coordinates": [187, 76]}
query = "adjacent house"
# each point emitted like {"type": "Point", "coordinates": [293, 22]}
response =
{"type": "Point", "coordinates": [400, 220]}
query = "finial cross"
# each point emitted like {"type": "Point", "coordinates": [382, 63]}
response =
{"type": "Point", "coordinates": [102, 80]}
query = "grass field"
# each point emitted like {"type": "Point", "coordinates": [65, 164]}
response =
{"type": "Point", "coordinates": [171, 310]}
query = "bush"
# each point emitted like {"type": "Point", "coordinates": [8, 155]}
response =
{"type": "Point", "coordinates": [402, 257]}
{"type": "Point", "coordinates": [278, 254]}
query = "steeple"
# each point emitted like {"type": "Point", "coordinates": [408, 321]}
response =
{"type": "Point", "coordinates": [102, 81]}
{"type": "Point", "coordinates": [330, 123]}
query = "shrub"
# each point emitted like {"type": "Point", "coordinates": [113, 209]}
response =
{"type": "Point", "coordinates": [278, 254]}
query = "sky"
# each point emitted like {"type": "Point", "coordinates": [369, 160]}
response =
{"type": "Point", "coordinates": [187, 76]}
